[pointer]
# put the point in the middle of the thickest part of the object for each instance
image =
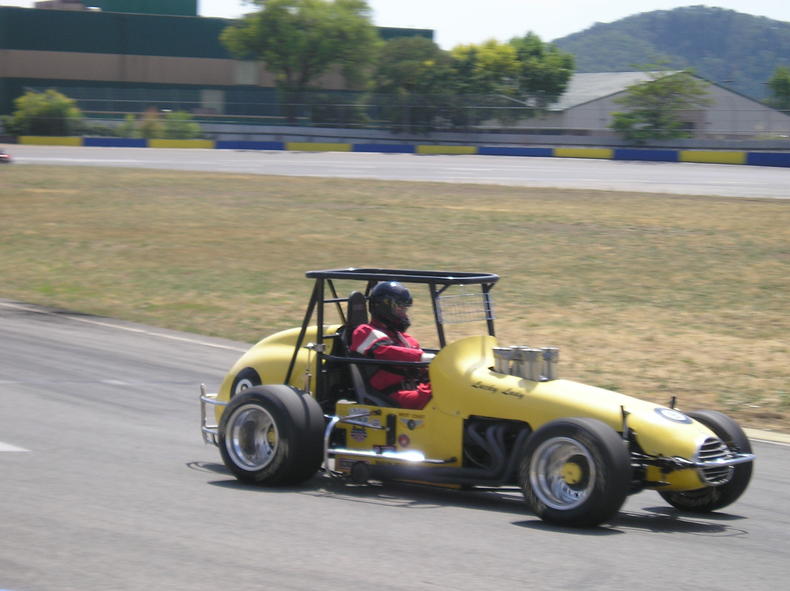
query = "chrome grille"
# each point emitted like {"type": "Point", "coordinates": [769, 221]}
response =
{"type": "Point", "coordinates": [712, 450]}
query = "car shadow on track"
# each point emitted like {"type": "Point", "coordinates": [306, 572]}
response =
{"type": "Point", "coordinates": [500, 500]}
{"type": "Point", "coordinates": [394, 494]}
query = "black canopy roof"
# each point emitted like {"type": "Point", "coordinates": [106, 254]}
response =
{"type": "Point", "coordinates": [405, 275]}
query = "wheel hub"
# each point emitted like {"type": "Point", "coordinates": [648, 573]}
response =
{"type": "Point", "coordinates": [562, 473]}
{"type": "Point", "coordinates": [252, 437]}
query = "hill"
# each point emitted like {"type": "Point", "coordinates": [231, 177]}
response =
{"type": "Point", "coordinates": [733, 49]}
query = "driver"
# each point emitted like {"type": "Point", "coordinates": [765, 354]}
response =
{"type": "Point", "coordinates": [384, 338]}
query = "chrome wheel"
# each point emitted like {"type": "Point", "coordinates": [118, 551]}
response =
{"type": "Point", "coordinates": [575, 471]}
{"type": "Point", "coordinates": [562, 473]}
{"type": "Point", "coordinates": [252, 438]}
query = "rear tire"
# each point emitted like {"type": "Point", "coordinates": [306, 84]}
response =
{"type": "Point", "coordinates": [709, 499]}
{"type": "Point", "coordinates": [272, 435]}
{"type": "Point", "coordinates": [576, 472]}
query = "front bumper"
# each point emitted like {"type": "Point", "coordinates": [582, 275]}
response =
{"type": "Point", "coordinates": [209, 429]}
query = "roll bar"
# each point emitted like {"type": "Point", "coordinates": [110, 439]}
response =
{"type": "Point", "coordinates": [437, 281]}
{"type": "Point", "coordinates": [405, 275]}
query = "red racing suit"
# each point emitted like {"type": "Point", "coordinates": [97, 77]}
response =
{"type": "Point", "coordinates": [377, 341]}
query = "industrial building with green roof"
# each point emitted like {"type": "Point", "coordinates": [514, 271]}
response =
{"type": "Point", "coordinates": [121, 56]}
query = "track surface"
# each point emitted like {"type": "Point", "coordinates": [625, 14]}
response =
{"type": "Point", "coordinates": [659, 177]}
{"type": "Point", "coordinates": [106, 484]}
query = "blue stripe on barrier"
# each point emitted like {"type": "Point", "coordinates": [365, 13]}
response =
{"type": "Point", "coordinates": [512, 151]}
{"type": "Point", "coordinates": [768, 158]}
{"type": "Point", "coordinates": [115, 142]}
{"type": "Point", "coordinates": [386, 148]}
{"type": "Point", "coordinates": [248, 145]}
{"type": "Point", "coordinates": [650, 155]}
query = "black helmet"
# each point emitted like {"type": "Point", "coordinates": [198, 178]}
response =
{"type": "Point", "coordinates": [388, 301]}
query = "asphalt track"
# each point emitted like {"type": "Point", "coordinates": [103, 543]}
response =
{"type": "Point", "coordinates": [105, 483]}
{"type": "Point", "coordinates": [659, 177]}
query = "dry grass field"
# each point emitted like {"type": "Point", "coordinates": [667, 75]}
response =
{"type": "Point", "coordinates": [652, 295]}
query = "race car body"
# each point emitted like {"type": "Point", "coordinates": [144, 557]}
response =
{"type": "Point", "coordinates": [298, 401]}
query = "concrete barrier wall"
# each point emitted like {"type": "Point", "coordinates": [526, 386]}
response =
{"type": "Point", "coordinates": [646, 154]}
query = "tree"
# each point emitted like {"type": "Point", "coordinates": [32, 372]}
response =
{"type": "Point", "coordinates": [485, 81]}
{"type": "Point", "coordinates": [44, 113]}
{"type": "Point", "coordinates": [300, 40]}
{"type": "Point", "coordinates": [425, 87]}
{"type": "Point", "coordinates": [410, 65]}
{"type": "Point", "coordinates": [779, 85]}
{"type": "Point", "coordinates": [654, 108]}
{"type": "Point", "coordinates": [519, 77]}
{"type": "Point", "coordinates": [543, 70]}
{"type": "Point", "coordinates": [411, 83]}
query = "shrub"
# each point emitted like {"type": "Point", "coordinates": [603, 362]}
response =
{"type": "Point", "coordinates": [44, 113]}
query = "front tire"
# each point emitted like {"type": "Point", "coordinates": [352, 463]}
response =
{"type": "Point", "coordinates": [246, 378]}
{"type": "Point", "coordinates": [576, 472]}
{"type": "Point", "coordinates": [272, 435]}
{"type": "Point", "coordinates": [709, 499]}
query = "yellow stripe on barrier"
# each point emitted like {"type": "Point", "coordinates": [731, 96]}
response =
{"type": "Point", "coordinates": [209, 144]}
{"type": "Point", "coordinates": [317, 147]}
{"type": "Point", "coordinates": [712, 156]}
{"type": "Point", "coordinates": [601, 153]}
{"type": "Point", "coordinates": [43, 140]}
{"type": "Point", "coordinates": [451, 150]}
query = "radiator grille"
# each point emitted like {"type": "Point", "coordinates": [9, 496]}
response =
{"type": "Point", "coordinates": [713, 449]}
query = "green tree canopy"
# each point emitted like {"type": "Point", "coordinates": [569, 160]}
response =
{"type": "Point", "coordinates": [543, 69]}
{"type": "Point", "coordinates": [300, 40]}
{"type": "Point", "coordinates": [411, 83]}
{"type": "Point", "coordinates": [524, 69]}
{"type": "Point", "coordinates": [44, 113]}
{"type": "Point", "coordinates": [653, 108]}
{"type": "Point", "coordinates": [490, 67]}
{"type": "Point", "coordinates": [470, 83]}
{"type": "Point", "coordinates": [779, 85]}
{"type": "Point", "coordinates": [411, 65]}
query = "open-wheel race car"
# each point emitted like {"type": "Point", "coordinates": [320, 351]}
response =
{"type": "Point", "coordinates": [300, 401]}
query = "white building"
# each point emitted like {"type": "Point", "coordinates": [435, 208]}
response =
{"type": "Point", "coordinates": [587, 105]}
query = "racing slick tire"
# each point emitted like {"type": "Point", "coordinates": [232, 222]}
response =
{"type": "Point", "coordinates": [711, 498]}
{"type": "Point", "coordinates": [272, 435]}
{"type": "Point", "coordinates": [246, 378]}
{"type": "Point", "coordinates": [575, 472]}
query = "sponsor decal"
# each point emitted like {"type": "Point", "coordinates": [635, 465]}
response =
{"type": "Point", "coordinates": [486, 387]}
{"type": "Point", "coordinates": [403, 440]}
{"type": "Point", "coordinates": [495, 390]}
{"type": "Point", "coordinates": [363, 418]}
{"type": "Point", "coordinates": [673, 415]}
{"type": "Point", "coordinates": [358, 433]}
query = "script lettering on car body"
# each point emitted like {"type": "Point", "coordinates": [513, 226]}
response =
{"type": "Point", "coordinates": [495, 390]}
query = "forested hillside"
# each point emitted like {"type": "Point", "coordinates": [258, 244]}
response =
{"type": "Point", "coordinates": [736, 50]}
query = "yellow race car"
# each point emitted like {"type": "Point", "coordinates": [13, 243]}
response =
{"type": "Point", "coordinates": [298, 402]}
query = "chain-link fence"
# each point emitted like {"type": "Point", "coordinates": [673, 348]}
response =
{"type": "Point", "coordinates": [107, 110]}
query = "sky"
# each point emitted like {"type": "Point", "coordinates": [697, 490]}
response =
{"type": "Point", "coordinates": [456, 22]}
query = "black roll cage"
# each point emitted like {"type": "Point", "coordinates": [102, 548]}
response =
{"type": "Point", "coordinates": [324, 292]}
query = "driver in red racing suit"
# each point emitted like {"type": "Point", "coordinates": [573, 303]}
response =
{"type": "Point", "coordinates": [384, 338]}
